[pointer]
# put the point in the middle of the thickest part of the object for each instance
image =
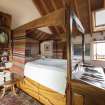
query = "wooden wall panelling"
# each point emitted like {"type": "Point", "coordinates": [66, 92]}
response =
{"type": "Point", "coordinates": [32, 49]}
{"type": "Point", "coordinates": [24, 49]}
{"type": "Point", "coordinates": [59, 49]}
{"type": "Point", "coordinates": [19, 47]}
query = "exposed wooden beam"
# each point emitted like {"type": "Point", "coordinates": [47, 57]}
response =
{"type": "Point", "coordinates": [54, 5]}
{"type": "Point", "coordinates": [38, 35]}
{"type": "Point", "coordinates": [43, 36]}
{"type": "Point", "coordinates": [45, 7]}
{"type": "Point", "coordinates": [85, 19]}
{"type": "Point", "coordinates": [94, 4]}
{"type": "Point", "coordinates": [68, 24]}
{"type": "Point", "coordinates": [55, 18]}
{"type": "Point", "coordinates": [77, 9]}
{"type": "Point", "coordinates": [90, 17]}
{"type": "Point", "coordinates": [38, 4]}
{"type": "Point", "coordinates": [55, 8]}
{"type": "Point", "coordinates": [58, 31]}
{"type": "Point", "coordinates": [63, 36]}
{"type": "Point", "coordinates": [104, 3]}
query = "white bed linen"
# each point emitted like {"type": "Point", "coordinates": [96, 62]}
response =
{"type": "Point", "coordinates": [48, 72]}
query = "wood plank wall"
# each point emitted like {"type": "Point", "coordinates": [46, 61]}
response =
{"type": "Point", "coordinates": [24, 50]}
{"type": "Point", "coordinates": [60, 50]}
{"type": "Point", "coordinates": [19, 46]}
{"type": "Point", "coordinates": [32, 49]}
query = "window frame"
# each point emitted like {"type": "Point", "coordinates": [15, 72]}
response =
{"type": "Point", "coordinates": [94, 56]}
{"type": "Point", "coordinates": [95, 27]}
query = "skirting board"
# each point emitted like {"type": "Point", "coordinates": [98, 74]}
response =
{"type": "Point", "coordinates": [41, 93]}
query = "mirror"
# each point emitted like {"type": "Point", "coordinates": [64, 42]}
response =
{"type": "Point", "coordinates": [3, 38]}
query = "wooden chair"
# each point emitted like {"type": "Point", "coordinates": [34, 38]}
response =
{"type": "Point", "coordinates": [9, 85]}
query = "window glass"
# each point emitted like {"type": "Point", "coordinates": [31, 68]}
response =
{"type": "Point", "coordinates": [99, 50]}
{"type": "Point", "coordinates": [77, 49]}
{"type": "Point", "coordinates": [100, 17]}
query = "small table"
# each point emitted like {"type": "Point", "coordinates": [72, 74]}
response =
{"type": "Point", "coordinates": [10, 83]}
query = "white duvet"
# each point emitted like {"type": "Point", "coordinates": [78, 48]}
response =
{"type": "Point", "coordinates": [48, 72]}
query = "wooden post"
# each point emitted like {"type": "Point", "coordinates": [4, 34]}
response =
{"type": "Point", "coordinates": [68, 22]}
{"type": "Point", "coordinates": [83, 48]}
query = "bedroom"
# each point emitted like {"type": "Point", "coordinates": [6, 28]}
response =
{"type": "Point", "coordinates": [45, 59]}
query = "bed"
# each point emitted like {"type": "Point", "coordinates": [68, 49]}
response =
{"type": "Point", "coordinates": [48, 72]}
{"type": "Point", "coordinates": [45, 80]}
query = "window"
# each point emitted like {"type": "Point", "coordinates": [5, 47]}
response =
{"type": "Point", "coordinates": [99, 50]}
{"type": "Point", "coordinates": [77, 49]}
{"type": "Point", "coordinates": [99, 20]}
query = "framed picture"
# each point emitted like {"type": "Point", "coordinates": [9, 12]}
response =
{"type": "Point", "coordinates": [47, 47]}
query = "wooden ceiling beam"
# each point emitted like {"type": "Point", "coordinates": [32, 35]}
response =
{"type": "Point", "coordinates": [53, 30]}
{"type": "Point", "coordinates": [77, 9]}
{"type": "Point", "coordinates": [61, 29]}
{"type": "Point", "coordinates": [54, 5]}
{"type": "Point", "coordinates": [63, 36]}
{"type": "Point", "coordinates": [58, 31]}
{"type": "Point", "coordinates": [55, 8]}
{"type": "Point", "coordinates": [94, 3]}
{"type": "Point", "coordinates": [56, 18]}
{"type": "Point", "coordinates": [90, 17]}
{"type": "Point", "coordinates": [43, 36]}
{"type": "Point", "coordinates": [38, 4]}
{"type": "Point", "coordinates": [104, 3]}
{"type": "Point", "coordinates": [36, 35]}
{"type": "Point", "coordinates": [39, 35]}
{"type": "Point", "coordinates": [45, 7]}
{"type": "Point", "coordinates": [36, 31]}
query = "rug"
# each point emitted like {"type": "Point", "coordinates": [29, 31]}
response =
{"type": "Point", "coordinates": [21, 99]}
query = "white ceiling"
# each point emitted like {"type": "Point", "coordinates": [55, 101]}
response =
{"type": "Point", "coordinates": [22, 11]}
